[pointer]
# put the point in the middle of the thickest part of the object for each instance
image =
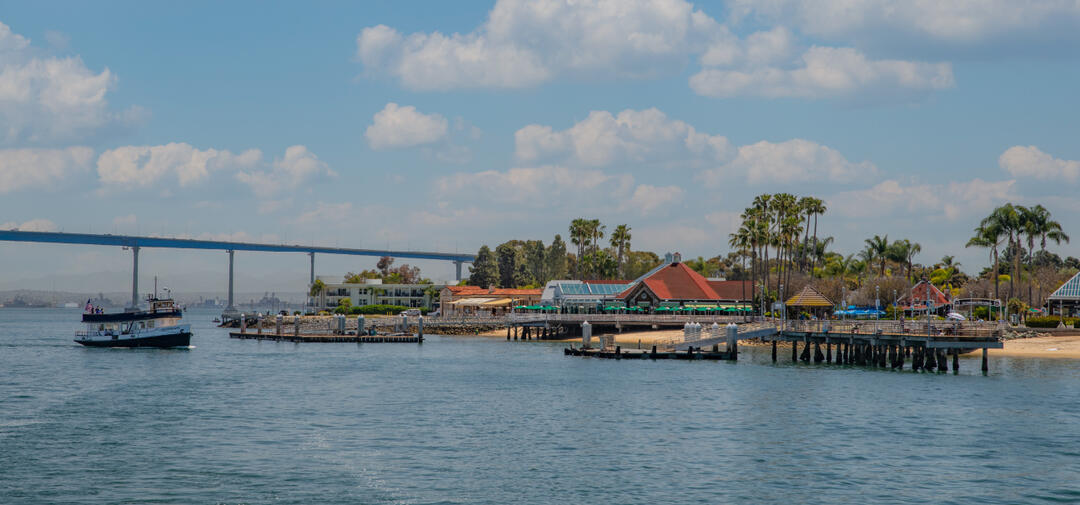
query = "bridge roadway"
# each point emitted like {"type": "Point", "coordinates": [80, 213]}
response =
{"type": "Point", "coordinates": [135, 243]}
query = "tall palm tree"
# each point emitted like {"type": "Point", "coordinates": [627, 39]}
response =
{"type": "Point", "coordinates": [1039, 225]}
{"type": "Point", "coordinates": [877, 249]}
{"type": "Point", "coordinates": [620, 240]}
{"type": "Point", "coordinates": [989, 235]}
{"type": "Point", "coordinates": [806, 204]}
{"type": "Point", "coordinates": [817, 208]}
{"type": "Point", "coordinates": [740, 241]}
{"type": "Point", "coordinates": [579, 237]}
{"type": "Point", "coordinates": [1007, 219]}
{"type": "Point", "coordinates": [913, 248]}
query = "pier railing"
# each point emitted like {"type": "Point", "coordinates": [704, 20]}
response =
{"type": "Point", "coordinates": [625, 318]}
{"type": "Point", "coordinates": [891, 327]}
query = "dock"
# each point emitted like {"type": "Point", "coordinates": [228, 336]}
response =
{"type": "Point", "coordinates": [919, 345]}
{"type": "Point", "coordinates": [361, 339]}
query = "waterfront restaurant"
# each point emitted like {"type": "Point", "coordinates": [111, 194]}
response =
{"type": "Point", "coordinates": [675, 286]}
{"type": "Point", "coordinates": [1066, 299]}
{"type": "Point", "coordinates": [915, 302]}
{"type": "Point", "coordinates": [481, 301]}
{"type": "Point", "coordinates": [583, 296]}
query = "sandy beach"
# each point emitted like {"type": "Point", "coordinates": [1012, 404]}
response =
{"type": "Point", "coordinates": [1067, 347]}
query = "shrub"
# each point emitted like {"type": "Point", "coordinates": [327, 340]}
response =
{"type": "Point", "coordinates": [1050, 321]}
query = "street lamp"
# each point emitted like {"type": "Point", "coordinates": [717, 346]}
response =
{"type": "Point", "coordinates": [894, 300]}
{"type": "Point", "coordinates": [877, 307]}
{"type": "Point", "coordinates": [783, 309]}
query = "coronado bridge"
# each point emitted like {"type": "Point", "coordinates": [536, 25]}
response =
{"type": "Point", "coordinates": [135, 243]}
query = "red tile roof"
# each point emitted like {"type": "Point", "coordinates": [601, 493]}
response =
{"type": "Point", "coordinates": [480, 291]}
{"type": "Point", "coordinates": [677, 281]}
{"type": "Point", "coordinates": [923, 291]}
{"type": "Point", "coordinates": [733, 290]}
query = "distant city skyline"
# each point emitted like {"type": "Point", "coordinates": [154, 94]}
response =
{"type": "Point", "coordinates": [447, 126]}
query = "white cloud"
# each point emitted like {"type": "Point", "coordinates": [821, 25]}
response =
{"type": "Point", "coordinates": [41, 168]}
{"type": "Point", "coordinates": [956, 21]}
{"type": "Point", "coordinates": [632, 135]}
{"type": "Point", "coordinates": [142, 166]}
{"type": "Point", "coordinates": [298, 166]}
{"type": "Point", "coordinates": [31, 225]}
{"type": "Point", "coordinates": [791, 161]}
{"type": "Point", "coordinates": [325, 213]}
{"type": "Point", "coordinates": [820, 72]}
{"type": "Point", "coordinates": [647, 198]}
{"type": "Point", "coordinates": [1030, 161]}
{"type": "Point", "coordinates": [396, 127]}
{"type": "Point", "coordinates": [535, 186]}
{"type": "Point", "coordinates": [951, 200]}
{"type": "Point", "coordinates": [525, 43]}
{"type": "Point", "coordinates": [128, 220]}
{"type": "Point", "coordinates": [49, 99]}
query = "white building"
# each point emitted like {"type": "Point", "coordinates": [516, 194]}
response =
{"type": "Point", "coordinates": [374, 292]}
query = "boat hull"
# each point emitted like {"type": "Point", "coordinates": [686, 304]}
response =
{"type": "Point", "coordinates": [178, 339]}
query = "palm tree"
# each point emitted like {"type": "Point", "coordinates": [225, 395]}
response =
{"type": "Point", "coordinates": [579, 236]}
{"type": "Point", "coordinates": [989, 235]}
{"type": "Point", "coordinates": [877, 248]}
{"type": "Point", "coordinates": [817, 208]}
{"type": "Point", "coordinates": [912, 248]}
{"type": "Point", "coordinates": [740, 241]}
{"type": "Point", "coordinates": [1039, 225]}
{"type": "Point", "coordinates": [1007, 219]}
{"type": "Point", "coordinates": [620, 240]}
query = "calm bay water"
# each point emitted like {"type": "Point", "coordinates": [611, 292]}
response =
{"type": "Point", "coordinates": [468, 420]}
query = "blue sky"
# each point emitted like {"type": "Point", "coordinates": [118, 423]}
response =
{"type": "Point", "coordinates": [447, 125]}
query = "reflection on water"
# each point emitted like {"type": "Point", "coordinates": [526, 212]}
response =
{"type": "Point", "coordinates": [467, 420]}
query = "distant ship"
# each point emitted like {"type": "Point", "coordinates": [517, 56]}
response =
{"type": "Point", "coordinates": [156, 327]}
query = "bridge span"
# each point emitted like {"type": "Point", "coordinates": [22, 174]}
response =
{"type": "Point", "coordinates": [135, 243]}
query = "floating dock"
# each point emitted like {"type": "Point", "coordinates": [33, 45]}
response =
{"type": "Point", "coordinates": [618, 353]}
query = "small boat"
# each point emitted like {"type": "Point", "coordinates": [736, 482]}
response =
{"type": "Point", "coordinates": [156, 327]}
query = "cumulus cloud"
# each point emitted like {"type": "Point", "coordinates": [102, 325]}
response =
{"type": "Point", "coordinates": [324, 212]}
{"type": "Point", "coordinates": [31, 225]}
{"type": "Point", "coordinates": [791, 161]}
{"type": "Point", "coordinates": [1030, 161]}
{"type": "Point", "coordinates": [525, 43]}
{"type": "Point", "coordinates": [760, 69]}
{"type": "Point", "coordinates": [535, 186]}
{"type": "Point", "coordinates": [632, 135]}
{"type": "Point", "coordinates": [961, 21]}
{"type": "Point", "coordinates": [951, 200]}
{"type": "Point", "coordinates": [647, 198]}
{"type": "Point", "coordinates": [41, 168]}
{"type": "Point", "coordinates": [142, 166]}
{"type": "Point", "coordinates": [298, 166]}
{"type": "Point", "coordinates": [396, 127]}
{"type": "Point", "coordinates": [49, 99]}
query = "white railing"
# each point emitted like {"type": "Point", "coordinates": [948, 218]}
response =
{"type": "Point", "coordinates": [908, 327]}
{"type": "Point", "coordinates": [627, 318]}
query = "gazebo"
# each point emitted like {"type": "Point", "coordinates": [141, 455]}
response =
{"type": "Point", "coordinates": [812, 300]}
{"type": "Point", "coordinates": [1066, 299]}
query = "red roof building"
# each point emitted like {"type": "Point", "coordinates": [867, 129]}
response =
{"type": "Point", "coordinates": [677, 283]}
{"type": "Point", "coordinates": [921, 293]}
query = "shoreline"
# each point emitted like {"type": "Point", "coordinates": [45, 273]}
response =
{"type": "Point", "coordinates": [1058, 347]}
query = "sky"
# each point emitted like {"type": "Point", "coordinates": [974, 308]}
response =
{"type": "Point", "coordinates": [450, 125]}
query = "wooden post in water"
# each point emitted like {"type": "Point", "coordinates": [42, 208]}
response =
{"type": "Point", "coordinates": [985, 365]}
{"type": "Point", "coordinates": [881, 356]}
{"type": "Point", "coordinates": [653, 353]}
{"type": "Point", "coordinates": [931, 359]}
{"type": "Point", "coordinates": [955, 361]}
{"type": "Point", "coordinates": [818, 357]}
{"type": "Point", "coordinates": [508, 333]}
{"type": "Point", "coordinates": [805, 356]}
{"type": "Point", "coordinates": [828, 351]}
{"type": "Point", "coordinates": [794, 351]}
{"type": "Point", "coordinates": [942, 361]}
{"type": "Point", "coordinates": [774, 350]}
{"type": "Point", "coordinates": [900, 355]}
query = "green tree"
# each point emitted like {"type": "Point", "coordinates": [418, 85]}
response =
{"type": "Point", "coordinates": [555, 257]}
{"type": "Point", "coordinates": [316, 287]}
{"type": "Point", "coordinates": [535, 261]}
{"type": "Point", "coordinates": [620, 240]}
{"type": "Point", "coordinates": [877, 249]}
{"type": "Point", "coordinates": [511, 261]}
{"type": "Point", "coordinates": [989, 235]}
{"type": "Point", "coordinates": [484, 271]}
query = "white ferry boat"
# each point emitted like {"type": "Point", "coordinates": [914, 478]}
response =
{"type": "Point", "coordinates": [159, 326]}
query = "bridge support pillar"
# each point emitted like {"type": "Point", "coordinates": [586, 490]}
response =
{"type": "Point", "coordinates": [135, 278]}
{"type": "Point", "coordinates": [457, 269]}
{"type": "Point", "coordinates": [230, 307]}
{"type": "Point", "coordinates": [311, 278]}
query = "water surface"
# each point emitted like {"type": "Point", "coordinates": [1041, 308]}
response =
{"type": "Point", "coordinates": [468, 420]}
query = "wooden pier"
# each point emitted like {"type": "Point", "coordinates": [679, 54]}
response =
{"type": "Point", "coordinates": [884, 344]}
{"type": "Point", "coordinates": [362, 339]}
{"type": "Point", "coordinates": [618, 353]}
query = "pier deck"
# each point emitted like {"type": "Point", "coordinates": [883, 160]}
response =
{"type": "Point", "coordinates": [364, 339]}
